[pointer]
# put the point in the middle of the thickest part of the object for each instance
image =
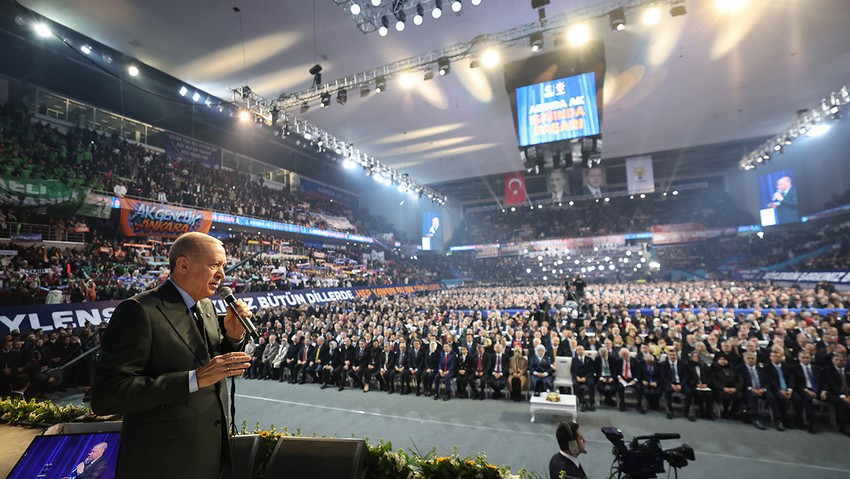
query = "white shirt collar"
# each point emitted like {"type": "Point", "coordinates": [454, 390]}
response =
{"type": "Point", "coordinates": [572, 458]}
{"type": "Point", "coordinates": [186, 297]}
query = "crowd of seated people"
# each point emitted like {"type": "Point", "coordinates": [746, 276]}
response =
{"type": "Point", "coordinates": [466, 343]}
{"type": "Point", "coordinates": [28, 361]}
{"type": "Point", "coordinates": [709, 207]}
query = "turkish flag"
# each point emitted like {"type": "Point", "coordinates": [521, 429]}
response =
{"type": "Point", "coordinates": [515, 189]}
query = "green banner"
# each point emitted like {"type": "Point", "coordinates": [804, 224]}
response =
{"type": "Point", "coordinates": [52, 195]}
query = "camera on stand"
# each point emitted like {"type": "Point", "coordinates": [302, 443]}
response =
{"type": "Point", "coordinates": [643, 457]}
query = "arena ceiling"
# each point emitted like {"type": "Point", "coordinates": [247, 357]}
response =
{"type": "Point", "coordinates": [704, 78]}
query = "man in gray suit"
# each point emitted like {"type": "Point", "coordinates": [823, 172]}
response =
{"type": "Point", "coordinates": [164, 360]}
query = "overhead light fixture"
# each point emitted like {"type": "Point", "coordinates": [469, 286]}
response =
{"type": "Point", "coordinates": [437, 12]}
{"type": "Point", "coordinates": [384, 28]}
{"type": "Point", "coordinates": [244, 115]}
{"type": "Point", "coordinates": [536, 41]}
{"type": "Point", "coordinates": [196, 97]}
{"type": "Point", "coordinates": [475, 2]}
{"type": "Point", "coordinates": [417, 19]}
{"type": "Point", "coordinates": [133, 70]}
{"type": "Point", "coordinates": [304, 107]}
{"type": "Point", "coordinates": [406, 81]}
{"type": "Point", "coordinates": [490, 58]}
{"type": "Point", "coordinates": [316, 71]}
{"type": "Point", "coordinates": [401, 17]}
{"type": "Point", "coordinates": [380, 84]}
{"type": "Point", "coordinates": [818, 129]}
{"type": "Point", "coordinates": [456, 6]}
{"type": "Point", "coordinates": [42, 30]}
{"type": "Point", "coordinates": [617, 20]}
{"type": "Point", "coordinates": [355, 8]}
{"type": "Point", "coordinates": [429, 75]}
{"type": "Point", "coordinates": [106, 57]}
{"type": "Point", "coordinates": [677, 8]}
{"type": "Point", "coordinates": [342, 96]}
{"type": "Point", "coordinates": [729, 6]}
{"type": "Point", "coordinates": [651, 16]}
{"type": "Point", "coordinates": [376, 3]}
{"type": "Point", "coordinates": [474, 63]}
{"type": "Point", "coordinates": [183, 91]}
{"type": "Point", "coordinates": [578, 34]}
{"type": "Point", "coordinates": [85, 48]}
{"type": "Point", "coordinates": [444, 66]}
{"type": "Point", "coordinates": [364, 91]}
{"type": "Point", "coordinates": [325, 100]}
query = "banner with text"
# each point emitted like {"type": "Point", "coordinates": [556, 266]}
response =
{"type": "Point", "coordinates": [182, 148]}
{"type": "Point", "coordinates": [56, 316]}
{"type": "Point", "coordinates": [141, 218]}
{"type": "Point", "coordinates": [321, 191]}
{"type": "Point", "coordinates": [60, 198]}
{"type": "Point", "coordinates": [639, 175]}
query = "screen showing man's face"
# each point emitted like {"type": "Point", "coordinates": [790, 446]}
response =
{"type": "Point", "coordinates": [594, 177]}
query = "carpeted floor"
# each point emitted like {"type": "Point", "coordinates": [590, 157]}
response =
{"type": "Point", "coordinates": [502, 429]}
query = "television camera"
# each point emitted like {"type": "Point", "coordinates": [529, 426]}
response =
{"type": "Point", "coordinates": [643, 457]}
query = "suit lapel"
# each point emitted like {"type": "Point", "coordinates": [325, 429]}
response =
{"type": "Point", "coordinates": [178, 316]}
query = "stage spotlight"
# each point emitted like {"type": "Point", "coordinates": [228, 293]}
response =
{"type": "Point", "coordinates": [475, 2]}
{"type": "Point", "coordinates": [364, 91]}
{"type": "Point", "coordinates": [85, 49]}
{"type": "Point", "coordinates": [651, 16]}
{"type": "Point", "coordinates": [133, 70]}
{"type": "Point", "coordinates": [304, 107]}
{"type": "Point", "coordinates": [196, 97]}
{"type": "Point", "coordinates": [106, 57]}
{"type": "Point", "coordinates": [183, 91]}
{"type": "Point", "coordinates": [401, 16]}
{"type": "Point", "coordinates": [380, 84]}
{"type": "Point", "coordinates": [474, 63]}
{"type": "Point", "coordinates": [536, 41]}
{"type": "Point", "coordinates": [677, 8]}
{"type": "Point", "coordinates": [729, 6]}
{"type": "Point", "coordinates": [342, 96]}
{"type": "Point", "coordinates": [316, 71]}
{"type": "Point", "coordinates": [490, 58]}
{"type": "Point", "coordinates": [456, 6]}
{"type": "Point", "coordinates": [406, 81]}
{"type": "Point", "coordinates": [819, 129]}
{"type": "Point", "coordinates": [417, 19]}
{"type": "Point", "coordinates": [384, 28]}
{"type": "Point", "coordinates": [579, 34]}
{"type": "Point", "coordinates": [444, 66]}
{"type": "Point", "coordinates": [428, 75]}
{"type": "Point", "coordinates": [376, 3]}
{"type": "Point", "coordinates": [617, 20]}
{"type": "Point", "coordinates": [355, 8]}
{"type": "Point", "coordinates": [42, 30]}
{"type": "Point", "coordinates": [437, 12]}
{"type": "Point", "coordinates": [325, 100]}
{"type": "Point", "coordinates": [244, 115]}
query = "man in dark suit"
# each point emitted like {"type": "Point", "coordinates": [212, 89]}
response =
{"type": "Point", "coordinates": [584, 379]}
{"type": "Point", "coordinates": [386, 363]}
{"type": "Point", "coordinates": [571, 444]}
{"type": "Point", "coordinates": [318, 357]}
{"type": "Point", "coordinates": [498, 372]}
{"type": "Point", "coordinates": [445, 372]}
{"type": "Point", "coordinates": [836, 381]}
{"type": "Point", "coordinates": [628, 376]}
{"type": "Point", "coordinates": [784, 201]}
{"type": "Point", "coordinates": [402, 359]}
{"type": "Point", "coordinates": [652, 386]}
{"type": "Point", "coordinates": [479, 367]}
{"type": "Point", "coordinates": [358, 365]}
{"type": "Point", "coordinates": [676, 377]}
{"type": "Point", "coordinates": [463, 370]}
{"type": "Point", "coordinates": [808, 384]}
{"type": "Point", "coordinates": [756, 388]}
{"type": "Point", "coordinates": [302, 364]}
{"type": "Point", "coordinates": [414, 368]}
{"type": "Point", "coordinates": [781, 384]}
{"type": "Point", "coordinates": [165, 355]}
{"type": "Point", "coordinates": [346, 358]}
{"type": "Point", "coordinates": [606, 376]}
{"type": "Point", "coordinates": [93, 466]}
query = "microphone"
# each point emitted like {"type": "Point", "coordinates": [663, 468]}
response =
{"type": "Point", "coordinates": [227, 295]}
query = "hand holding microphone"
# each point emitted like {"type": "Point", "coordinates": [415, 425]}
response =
{"type": "Point", "coordinates": [239, 311]}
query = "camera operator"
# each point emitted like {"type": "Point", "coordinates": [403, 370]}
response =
{"type": "Point", "coordinates": [571, 445]}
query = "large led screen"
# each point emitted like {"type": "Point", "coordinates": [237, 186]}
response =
{"type": "Point", "coordinates": [557, 110]}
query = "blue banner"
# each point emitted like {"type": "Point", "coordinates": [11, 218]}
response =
{"type": "Point", "coordinates": [318, 190]}
{"type": "Point", "coordinates": [557, 110]}
{"type": "Point", "coordinates": [49, 317]}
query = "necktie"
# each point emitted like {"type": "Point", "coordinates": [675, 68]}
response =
{"type": "Point", "coordinates": [479, 363]}
{"type": "Point", "coordinates": [754, 377]}
{"type": "Point", "coordinates": [498, 363]}
{"type": "Point", "coordinates": [199, 322]}
{"type": "Point", "coordinates": [605, 370]}
{"type": "Point", "coordinates": [675, 373]}
{"type": "Point", "coordinates": [844, 388]}
{"type": "Point", "coordinates": [445, 362]}
{"type": "Point", "coordinates": [782, 384]}
{"type": "Point", "coordinates": [626, 370]}
{"type": "Point", "coordinates": [811, 378]}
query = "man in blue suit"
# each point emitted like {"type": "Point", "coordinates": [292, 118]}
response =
{"type": "Point", "coordinates": [445, 372]}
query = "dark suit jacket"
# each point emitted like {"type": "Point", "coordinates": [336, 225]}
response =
{"type": "Point", "coordinates": [764, 380]}
{"type": "Point", "coordinates": [149, 348]}
{"type": "Point", "coordinates": [584, 368]}
{"type": "Point", "coordinates": [505, 364]}
{"type": "Point", "coordinates": [773, 377]}
{"type": "Point", "coordinates": [800, 378]}
{"type": "Point", "coordinates": [386, 360]}
{"type": "Point", "coordinates": [447, 362]}
{"type": "Point", "coordinates": [597, 365]}
{"type": "Point", "coordinates": [560, 463]}
{"type": "Point", "coordinates": [832, 380]}
{"type": "Point", "coordinates": [667, 373]}
{"type": "Point", "coordinates": [634, 368]}
{"type": "Point", "coordinates": [486, 360]}
{"type": "Point", "coordinates": [94, 470]}
{"type": "Point", "coordinates": [786, 211]}
{"type": "Point", "coordinates": [417, 360]}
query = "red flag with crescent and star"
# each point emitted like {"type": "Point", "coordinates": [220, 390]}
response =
{"type": "Point", "coordinates": [515, 189]}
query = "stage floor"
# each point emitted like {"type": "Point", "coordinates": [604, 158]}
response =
{"type": "Point", "coordinates": [503, 430]}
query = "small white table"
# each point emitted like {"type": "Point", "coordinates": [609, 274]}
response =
{"type": "Point", "coordinates": [566, 407]}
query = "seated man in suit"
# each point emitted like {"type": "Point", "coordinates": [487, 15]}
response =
{"type": "Point", "coordinates": [346, 363]}
{"type": "Point", "coordinates": [628, 376]}
{"type": "Point", "coordinates": [652, 386]}
{"type": "Point", "coordinates": [781, 384]}
{"type": "Point", "coordinates": [413, 371]}
{"type": "Point", "coordinates": [463, 370]}
{"type": "Point", "coordinates": [479, 371]}
{"type": "Point", "coordinates": [571, 444]}
{"type": "Point", "coordinates": [605, 375]}
{"type": "Point", "coordinates": [432, 359]}
{"type": "Point", "coordinates": [330, 366]}
{"type": "Point", "coordinates": [318, 357]}
{"type": "Point", "coordinates": [361, 360]}
{"type": "Point", "coordinates": [397, 372]}
{"type": "Point", "coordinates": [445, 372]}
{"type": "Point", "coordinates": [542, 371]}
{"type": "Point", "coordinates": [386, 363]}
{"type": "Point", "coordinates": [584, 379]}
{"type": "Point", "coordinates": [498, 379]}
{"type": "Point", "coordinates": [756, 388]}
{"type": "Point", "coordinates": [808, 384]}
{"type": "Point", "coordinates": [836, 381]}
{"type": "Point", "coordinates": [676, 378]}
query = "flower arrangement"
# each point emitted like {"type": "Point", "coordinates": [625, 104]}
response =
{"type": "Point", "coordinates": [38, 413]}
{"type": "Point", "coordinates": [553, 397]}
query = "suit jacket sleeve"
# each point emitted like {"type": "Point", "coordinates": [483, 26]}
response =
{"type": "Point", "coordinates": [124, 382]}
